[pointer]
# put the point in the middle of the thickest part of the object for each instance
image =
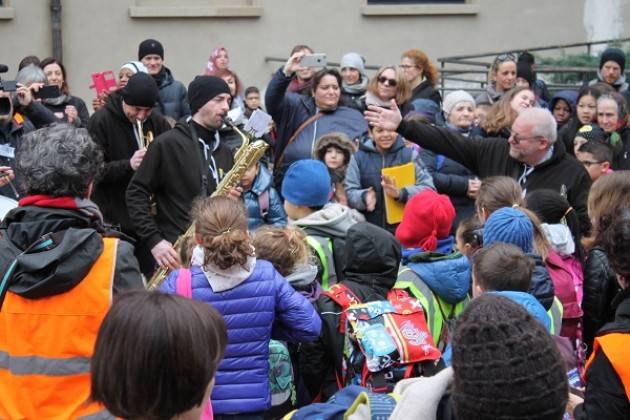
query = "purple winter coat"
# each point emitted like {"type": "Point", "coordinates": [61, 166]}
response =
{"type": "Point", "coordinates": [262, 307]}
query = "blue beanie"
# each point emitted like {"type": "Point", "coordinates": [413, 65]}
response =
{"type": "Point", "coordinates": [307, 183]}
{"type": "Point", "coordinates": [511, 226]}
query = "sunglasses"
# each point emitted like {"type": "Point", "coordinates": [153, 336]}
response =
{"type": "Point", "coordinates": [502, 58]}
{"type": "Point", "coordinates": [388, 82]}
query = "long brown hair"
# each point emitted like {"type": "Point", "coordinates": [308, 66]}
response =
{"type": "Point", "coordinates": [501, 115]}
{"type": "Point", "coordinates": [421, 59]}
{"type": "Point", "coordinates": [608, 195]}
{"type": "Point", "coordinates": [221, 229]}
{"type": "Point", "coordinates": [403, 90]}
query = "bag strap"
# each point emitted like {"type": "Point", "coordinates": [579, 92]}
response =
{"type": "Point", "coordinates": [183, 284]}
{"type": "Point", "coordinates": [344, 297]}
{"type": "Point", "coordinates": [263, 204]}
{"type": "Point", "coordinates": [296, 133]}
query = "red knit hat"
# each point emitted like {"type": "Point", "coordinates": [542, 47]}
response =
{"type": "Point", "coordinates": [428, 217]}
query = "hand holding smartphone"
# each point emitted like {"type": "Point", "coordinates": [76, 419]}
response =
{"type": "Point", "coordinates": [314, 60]}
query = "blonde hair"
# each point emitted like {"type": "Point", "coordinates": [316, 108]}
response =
{"type": "Point", "coordinates": [285, 248]}
{"type": "Point", "coordinates": [403, 90]}
{"type": "Point", "coordinates": [608, 195]}
{"type": "Point", "coordinates": [221, 229]}
{"type": "Point", "coordinates": [501, 115]}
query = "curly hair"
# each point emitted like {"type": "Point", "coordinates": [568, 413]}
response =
{"type": "Point", "coordinates": [221, 229]}
{"type": "Point", "coordinates": [501, 115]}
{"type": "Point", "coordinates": [285, 248]}
{"type": "Point", "coordinates": [421, 59]}
{"type": "Point", "coordinates": [59, 160]}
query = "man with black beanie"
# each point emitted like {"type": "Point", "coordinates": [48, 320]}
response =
{"type": "Point", "coordinates": [612, 65]}
{"type": "Point", "coordinates": [172, 92]}
{"type": "Point", "coordinates": [182, 164]}
{"type": "Point", "coordinates": [115, 128]}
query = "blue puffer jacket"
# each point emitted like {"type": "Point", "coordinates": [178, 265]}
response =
{"type": "Point", "coordinates": [528, 302]}
{"type": "Point", "coordinates": [173, 99]}
{"type": "Point", "coordinates": [447, 276]}
{"type": "Point", "coordinates": [364, 171]}
{"type": "Point", "coordinates": [275, 212]}
{"type": "Point", "coordinates": [261, 307]}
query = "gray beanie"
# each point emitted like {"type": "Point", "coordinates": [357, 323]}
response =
{"type": "Point", "coordinates": [353, 60]}
{"type": "Point", "coordinates": [454, 98]}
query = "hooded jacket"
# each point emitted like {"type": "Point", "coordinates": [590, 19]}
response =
{"type": "Point", "coordinates": [173, 100]}
{"type": "Point", "coordinates": [364, 171]}
{"type": "Point", "coordinates": [77, 235]}
{"type": "Point", "coordinates": [256, 308]}
{"type": "Point", "coordinates": [568, 96]}
{"type": "Point", "coordinates": [490, 157]}
{"type": "Point", "coordinates": [529, 303]}
{"type": "Point", "coordinates": [171, 172]}
{"type": "Point", "coordinates": [372, 259]}
{"type": "Point", "coordinates": [275, 210]}
{"type": "Point", "coordinates": [111, 129]}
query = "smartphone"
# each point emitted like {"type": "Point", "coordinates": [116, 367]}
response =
{"type": "Point", "coordinates": [103, 81]}
{"type": "Point", "coordinates": [314, 60]}
{"type": "Point", "coordinates": [47, 91]}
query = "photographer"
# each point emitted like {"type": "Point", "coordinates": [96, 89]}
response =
{"type": "Point", "coordinates": [19, 115]}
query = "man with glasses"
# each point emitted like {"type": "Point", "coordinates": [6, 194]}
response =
{"type": "Point", "coordinates": [531, 155]}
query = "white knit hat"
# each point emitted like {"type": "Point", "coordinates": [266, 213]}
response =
{"type": "Point", "coordinates": [454, 98]}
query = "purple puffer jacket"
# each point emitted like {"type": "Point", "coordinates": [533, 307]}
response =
{"type": "Point", "coordinates": [262, 307]}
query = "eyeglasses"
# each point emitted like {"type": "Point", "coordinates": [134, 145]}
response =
{"type": "Point", "coordinates": [502, 58]}
{"type": "Point", "coordinates": [389, 82]}
{"type": "Point", "coordinates": [588, 163]}
{"type": "Point", "coordinates": [518, 139]}
{"type": "Point", "coordinates": [406, 66]}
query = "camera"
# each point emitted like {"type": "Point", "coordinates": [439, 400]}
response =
{"type": "Point", "coordinates": [7, 85]}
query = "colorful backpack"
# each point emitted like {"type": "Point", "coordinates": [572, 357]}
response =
{"type": "Point", "coordinates": [384, 341]}
{"type": "Point", "coordinates": [281, 377]}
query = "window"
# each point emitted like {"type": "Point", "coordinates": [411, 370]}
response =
{"type": "Point", "coordinates": [419, 7]}
{"type": "Point", "coordinates": [6, 11]}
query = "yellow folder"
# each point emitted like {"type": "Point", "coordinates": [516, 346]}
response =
{"type": "Point", "coordinates": [404, 176]}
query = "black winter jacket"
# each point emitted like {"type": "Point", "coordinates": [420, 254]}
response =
{"type": "Point", "coordinates": [82, 111]}
{"type": "Point", "coordinates": [372, 259]}
{"type": "Point", "coordinates": [111, 129]}
{"type": "Point", "coordinates": [605, 396]}
{"type": "Point", "coordinates": [600, 288]}
{"type": "Point", "coordinates": [173, 99]}
{"type": "Point", "coordinates": [172, 171]}
{"type": "Point", "coordinates": [425, 91]}
{"type": "Point", "coordinates": [490, 157]}
{"type": "Point", "coordinates": [76, 249]}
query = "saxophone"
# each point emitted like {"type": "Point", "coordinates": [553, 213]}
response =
{"type": "Point", "coordinates": [246, 155]}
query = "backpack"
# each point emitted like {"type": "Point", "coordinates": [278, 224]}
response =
{"type": "Point", "coordinates": [384, 341]}
{"type": "Point", "coordinates": [281, 377]}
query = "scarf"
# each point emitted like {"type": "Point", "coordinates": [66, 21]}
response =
{"type": "Point", "coordinates": [82, 205]}
{"type": "Point", "coordinates": [357, 88]}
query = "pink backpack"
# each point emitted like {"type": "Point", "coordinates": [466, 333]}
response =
{"type": "Point", "coordinates": [567, 277]}
{"type": "Point", "coordinates": [183, 287]}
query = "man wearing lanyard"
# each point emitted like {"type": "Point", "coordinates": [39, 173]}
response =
{"type": "Point", "coordinates": [182, 164]}
{"type": "Point", "coordinates": [122, 128]}
{"type": "Point", "coordinates": [531, 155]}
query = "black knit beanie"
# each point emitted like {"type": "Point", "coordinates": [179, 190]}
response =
{"type": "Point", "coordinates": [506, 364]}
{"type": "Point", "coordinates": [613, 54]}
{"type": "Point", "coordinates": [141, 90]}
{"type": "Point", "coordinates": [204, 88]}
{"type": "Point", "coordinates": [524, 70]}
{"type": "Point", "coordinates": [150, 46]}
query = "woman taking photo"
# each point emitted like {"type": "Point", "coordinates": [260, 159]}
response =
{"type": "Point", "coordinates": [421, 75]}
{"type": "Point", "coordinates": [302, 119]}
{"type": "Point", "coordinates": [67, 108]}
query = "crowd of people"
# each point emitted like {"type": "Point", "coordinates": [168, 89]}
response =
{"type": "Point", "coordinates": [395, 254]}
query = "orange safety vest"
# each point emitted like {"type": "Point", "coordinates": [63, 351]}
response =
{"type": "Point", "coordinates": [46, 345]}
{"type": "Point", "coordinates": [615, 347]}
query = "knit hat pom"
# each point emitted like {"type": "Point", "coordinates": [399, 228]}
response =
{"type": "Point", "coordinates": [428, 217]}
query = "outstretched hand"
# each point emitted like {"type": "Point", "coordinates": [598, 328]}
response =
{"type": "Point", "coordinates": [387, 119]}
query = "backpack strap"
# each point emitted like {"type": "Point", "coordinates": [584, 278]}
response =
{"type": "Point", "coordinates": [344, 297]}
{"type": "Point", "coordinates": [183, 283]}
{"type": "Point", "coordinates": [296, 133]}
{"type": "Point", "coordinates": [263, 204]}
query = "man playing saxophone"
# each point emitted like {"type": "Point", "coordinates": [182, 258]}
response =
{"type": "Point", "coordinates": [123, 128]}
{"type": "Point", "coordinates": [182, 164]}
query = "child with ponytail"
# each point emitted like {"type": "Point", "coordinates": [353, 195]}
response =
{"type": "Point", "coordinates": [256, 302]}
